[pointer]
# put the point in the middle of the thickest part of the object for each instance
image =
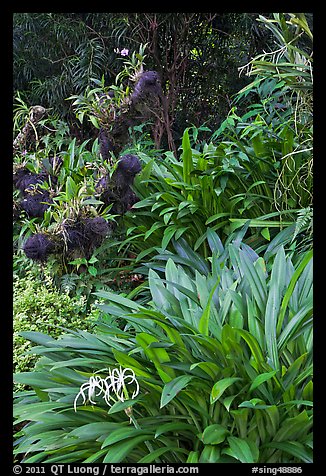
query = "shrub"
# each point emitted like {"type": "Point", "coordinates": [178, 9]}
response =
{"type": "Point", "coordinates": [223, 359]}
{"type": "Point", "coordinates": [255, 166]}
{"type": "Point", "coordinates": [38, 306]}
{"type": "Point", "coordinates": [222, 184]}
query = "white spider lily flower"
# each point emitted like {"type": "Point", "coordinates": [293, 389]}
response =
{"type": "Point", "coordinates": [112, 387]}
{"type": "Point", "coordinates": [118, 379]}
{"type": "Point", "coordinates": [90, 386]}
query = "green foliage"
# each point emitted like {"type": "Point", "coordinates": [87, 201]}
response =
{"type": "Point", "coordinates": [38, 306]}
{"type": "Point", "coordinates": [292, 61]}
{"type": "Point", "coordinates": [72, 54]}
{"type": "Point", "coordinates": [102, 104]}
{"type": "Point", "coordinates": [223, 184]}
{"type": "Point", "coordinates": [219, 335]}
{"type": "Point", "coordinates": [222, 354]}
{"type": "Point", "coordinates": [57, 55]}
{"type": "Point", "coordinates": [74, 196]}
{"type": "Point", "coordinates": [70, 188]}
{"type": "Point", "coordinates": [257, 166]}
{"type": "Point", "coordinates": [284, 78]}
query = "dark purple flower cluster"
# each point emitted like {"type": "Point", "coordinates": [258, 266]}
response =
{"type": "Point", "coordinates": [35, 205]}
{"type": "Point", "coordinates": [117, 190]}
{"type": "Point", "coordinates": [86, 235]}
{"type": "Point", "coordinates": [81, 236]}
{"type": "Point", "coordinates": [38, 247]}
{"type": "Point", "coordinates": [145, 102]}
{"type": "Point", "coordinates": [35, 199]}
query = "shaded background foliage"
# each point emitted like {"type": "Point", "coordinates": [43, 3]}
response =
{"type": "Point", "coordinates": [196, 54]}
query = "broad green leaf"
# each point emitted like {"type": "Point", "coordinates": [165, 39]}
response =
{"type": "Point", "coordinates": [281, 238]}
{"type": "Point", "coordinates": [41, 409]}
{"type": "Point", "coordinates": [240, 416]}
{"type": "Point", "coordinates": [92, 270]}
{"type": "Point", "coordinates": [91, 201]}
{"type": "Point", "coordinates": [171, 274]}
{"type": "Point", "coordinates": [76, 362]}
{"type": "Point", "coordinates": [180, 231]}
{"type": "Point", "coordinates": [216, 217]}
{"type": "Point", "coordinates": [157, 355]}
{"type": "Point", "coordinates": [189, 257]}
{"type": "Point", "coordinates": [38, 337]}
{"type": "Point", "coordinates": [71, 149]}
{"type": "Point", "coordinates": [294, 448]}
{"type": "Point", "coordinates": [94, 121]}
{"type": "Point", "coordinates": [203, 325]}
{"type": "Point", "coordinates": [69, 457]}
{"type": "Point", "coordinates": [294, 279]}
{"type": "Point", "coordinates": [308, 403]}
{"type": "Point", "coordinates": [307, 391]}
{"type": "Point", "coordinates": [153, 455]}
{"type": "Point", "coordinates": [119, 451]}
{"type": "Point", "coordinates": [120, 406]}
{"type": "Point", "coordinates": [178, 290]}
{"type": "Point", "coordinates": [297, 321]}
{"type": "Point", "coordinates": [162, 297]}
{"type": "Point", "coordinates": [254, 324]}
{"type": "Point", "coordinates": [293, 370]}
{"type": "Point", "coordinates": [91, 431]}
{"type": "Point", "coordinates": [34, 379]}
{"type": "Point", "coordinates": [71, 188]}
{"type": "Point", "coordinates": [175, 427]}
{"type": "Point", "coordinates": [153, 228]}
{"type": "Point", "coordinates": [214, 434]}
{"type": "Point", "coordinates": [241, 450]}
{"type": "Point", "coordinates": [253, 344]}
{"type": "Point", "coordinates": [117, 298]}
{"type": "Point", "coordinates": [227, 401]}
{"type": "Point", "coordinates": [209, 367]}
{"type": "Point", "coordinates": [172, 388]}
{"type": "Point", "coordinates": [210, 454]}
{"type": "Point", "coordinates": [34, 459]}
{"type": "Point", "coordinates": [262, 378]}
{"type": "Point", "coordinates": [220, 387]}
{"type": "Point", "coordinates": [96, 456]}
{"type": "Point", "coordinates": [293, 428]}
{"type": "Point", "coordinates": [124, 433]}
{"type": "Point", "coordinates": [265, 233]}
{"type": "Point", "coordinates": [255, 278]}
{"type": "Point", "coordinates": [255, 403]}
{"type": "Point", "coordinates": [186, 157]}
{"type": "Point", "coordinates": [168, 235]}
{"type": "Point", "coordinates": [271, 316]}
{"type": "Point", "coordinates": [193, 457]}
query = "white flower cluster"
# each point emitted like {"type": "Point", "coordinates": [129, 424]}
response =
{"type": "Point", "coordinates": [112, 388]}
{"type": "Point", "coordinates": [124, 52]}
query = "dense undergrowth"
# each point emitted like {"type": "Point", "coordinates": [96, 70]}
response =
{"type": "Point", "coordinates": [169, 319]}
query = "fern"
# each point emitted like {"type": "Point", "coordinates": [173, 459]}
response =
{"type": "Point", "coordinates": [68, 283]}
{"type": "Point", "coordinates": [303, 222]}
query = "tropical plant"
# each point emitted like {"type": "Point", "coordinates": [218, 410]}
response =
{"type": "Point", "coordinates": [37, 305]}
{"type": "Point", "coordinates": [102, 103]}
{"type": "Point", "coordinates": [67, 176]}
{"type": "Point", "coordinates": [217, 367]}
{"type": "Point", "coordinates": [288, 69]}
{"type": "Point", "coordinates": [292, 60]}
{"type": "Point", "coordinates": [57, 55]}
{"type": "Point", "coordinates": [223, 183]}
{"type": "Point", "coordinates": [64, 63]}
